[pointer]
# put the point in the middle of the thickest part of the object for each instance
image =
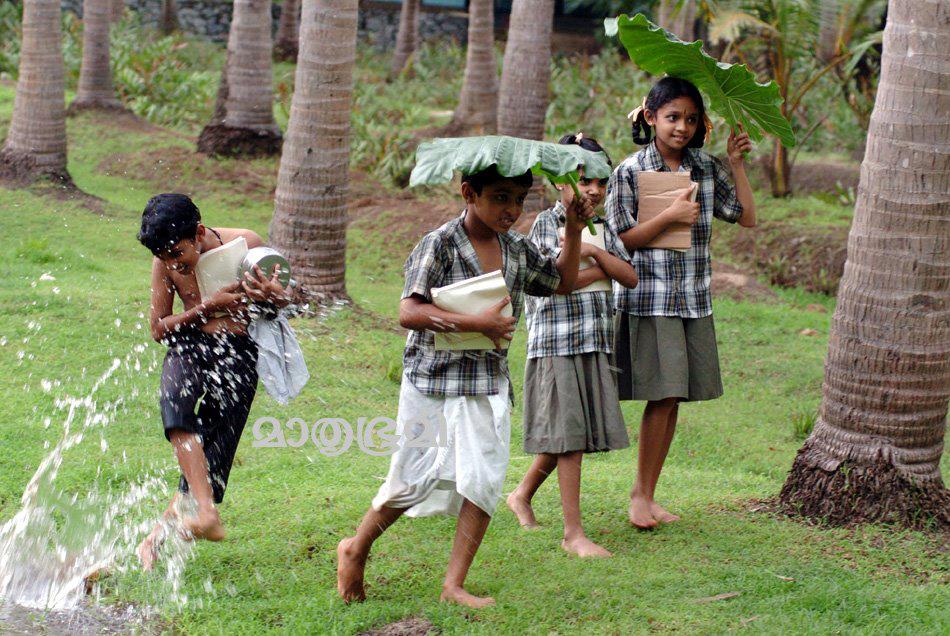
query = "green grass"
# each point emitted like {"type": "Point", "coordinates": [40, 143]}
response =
{"type": "Point", "coordinates": [287, 508]}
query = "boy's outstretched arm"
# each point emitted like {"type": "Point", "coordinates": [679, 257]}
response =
{"type": "Point", "coordinates": [420, 315]}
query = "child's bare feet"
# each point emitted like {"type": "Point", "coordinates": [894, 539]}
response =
{"type": "Point", "coordinates": [584, 547]}
{"type": "Point", "coordinates": [460, 596]}
{"type": "Point", "coordinates": [639, 513]}
{"type": "Point", "coordinates": [349, 571]}
{"type": "Point", "coordinates": [206, 525]}
{"type": "Point", "coordinates": [661, 514]}
{"type": "Point", "coordinates": [523, 510]}
{"type": "Point", "coordinates": [148, 549]}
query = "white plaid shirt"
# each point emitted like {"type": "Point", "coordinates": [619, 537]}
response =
{"type": "Point", "coordinates": [672, 283]}
{"type": "Point", "coordinates": [445, 256]}
{"type": "Point", "coordinates": [566, 325]}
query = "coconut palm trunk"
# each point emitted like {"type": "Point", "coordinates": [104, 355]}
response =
{"type": "Point", "coordinates": [248, 128]}
{"type": "Point", "coordinates": [524, 93]}
{"type": "Point", "coordinates": [288, 30]}
{"type": "Point", "coordinates": [95, 75]}
{"type": "Point", "coordinates": [678, 17]}
{"type": "Point", "coordinates": [875, 450]}
{"type": "Point", "coordinates": [407, 39]}
{"type": "Point", "coordinates": [168, 21]}
{"type": "Point", "coordinates": [478, 101]}
{"type": "Point", "coordinates": [309, 224]}
{"type": "Point", "coordinates": [36, 141]}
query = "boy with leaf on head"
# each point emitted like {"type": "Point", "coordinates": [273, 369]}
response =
{"type": "Point", "coordinates": [466, 393]}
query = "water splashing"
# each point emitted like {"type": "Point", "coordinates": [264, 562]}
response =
{"type": "Point", "coordinates": [58, 542]}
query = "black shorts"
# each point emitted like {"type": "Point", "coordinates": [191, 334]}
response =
{"type": "Point", "coordinates": [220, 371]}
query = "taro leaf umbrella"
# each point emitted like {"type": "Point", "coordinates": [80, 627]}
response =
{"type": "Point", "coordinates": [437, 160]}
{"type": "Point", "coordinates": [732, 89]}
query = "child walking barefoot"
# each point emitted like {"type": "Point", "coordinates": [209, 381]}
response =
{"type": "Point", "coordinates": [570, 396]}
{"type": "Point", "coordinates": [465, 393]}
{"type": "Point", "coordinates": [209, 376]}
{"type": "Point", "coordinates": [665, 337]}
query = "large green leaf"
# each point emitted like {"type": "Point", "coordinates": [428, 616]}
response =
{"type": "Point", "coordinates": [731, 88]}
{"type": "Point", "coordinates": [437, 160]}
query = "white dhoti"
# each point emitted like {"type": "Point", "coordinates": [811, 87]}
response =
{"type": "Point", "coordinates": [467, 461]}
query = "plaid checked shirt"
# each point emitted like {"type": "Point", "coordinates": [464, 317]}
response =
{"type": "Point", "coordinates": [566, 325]}
{"type": "Point", "coordinates": [671, 283]}
{"type": "Point", "coordinates": [445, 256]}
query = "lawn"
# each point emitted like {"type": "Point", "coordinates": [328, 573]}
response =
{"type": "Point", "coordinates": [286, 508]}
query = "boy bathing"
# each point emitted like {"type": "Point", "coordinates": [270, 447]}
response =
{"type": "Point", "coordinates": [211, 359]}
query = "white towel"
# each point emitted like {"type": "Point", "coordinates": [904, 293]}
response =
{"type": "Point", "coordinates": [280, 364]}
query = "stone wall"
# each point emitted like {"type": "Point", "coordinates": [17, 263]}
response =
{"type": "Point", "coordinates": [378, 24]}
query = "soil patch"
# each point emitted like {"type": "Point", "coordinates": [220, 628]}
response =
{"type": "Point", "coordinates": [405, 627]}
{"type": "Point", "coordinates": [179, 169]}
{"type": "Point", "coordinates": [735, 283]}
{"type": "Point", "coordinates": [815, 176]}
{"type": "Point", "coordinates": [795, 256]}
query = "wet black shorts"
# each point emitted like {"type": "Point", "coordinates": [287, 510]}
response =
{"type": "Point", "coordinates": [220, 372]}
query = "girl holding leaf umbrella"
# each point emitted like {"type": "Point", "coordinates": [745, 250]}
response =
{"type": "Point", "coordinates": [666, 342]}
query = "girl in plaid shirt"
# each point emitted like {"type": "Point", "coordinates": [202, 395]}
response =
{"type": "Point", "coordinates": [665, 338]}
{"type": "Point", "coordinates": [571, 405]}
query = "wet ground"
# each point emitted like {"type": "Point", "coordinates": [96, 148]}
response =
{"type": "Point", "coordinates": [85, 619]}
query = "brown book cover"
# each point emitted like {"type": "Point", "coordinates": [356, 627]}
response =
{"type": "Point", "coordinates": [657, 191]}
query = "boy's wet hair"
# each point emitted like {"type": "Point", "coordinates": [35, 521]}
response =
{"type": "Point", "coordinates": [168, 219]}
{"type": "Point", "coordinates": [587, 143]}
{"type": "Point", "coordinates": [662, 93]}
{"type": "Point", "coordinates": [478, 180]}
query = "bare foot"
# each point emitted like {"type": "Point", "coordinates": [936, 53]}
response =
{"type": "Point", "coordinates": [460, 596]}
{"type": "Point", "coordinates": [148, 549]}
{"type": "Point", "coordinates": [639, 513]}
{"type": "Point", "coordinates": [584, 547]}
{"type": "Point", "coordinates": [349, 572]}
{"type": "Point", "coordinates": [207, 525]}
{"type": "Point", "coordinates": [661, 514]}
{"type": "Point", "coordinates": [522, 509]}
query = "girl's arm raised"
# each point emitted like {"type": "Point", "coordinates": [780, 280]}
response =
{"type": "Point", "coordinates": [738, 146]}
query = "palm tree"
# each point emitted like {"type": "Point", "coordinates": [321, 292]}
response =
{"type": "Point", "coordinates": [288, 29]}
{"type": "Point", "coordinates": [408, 36]}
{"type": "Point", "coordinates": [95, 76]}
{"type": "Point", "coordinates": [247, 128]}
{"type": "Point", "coordinates": [117, 9]}
{"type": "Point", "coordinates": [309, 223]}
{"type": "Point", "coordinates": [678, 17]}
{"type": "Point", "coordinates": [36, 142]}
{"type": "Point", "coordinates": [168, 21]}
{"type": "Point", "coordinates": [526, 72]}
{"type": "Point", "coordinates": [876, 447]}
{"type": "Point", "coordinates": [478, 101]}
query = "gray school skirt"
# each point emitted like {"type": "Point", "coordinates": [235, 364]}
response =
{"type": "Point", "coordinates": [571, 404]}
{"type": "Point", "coordinates": [661, 357]}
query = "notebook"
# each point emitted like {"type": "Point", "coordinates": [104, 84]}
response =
{"type": "Point", "coordinates": [657, 191]}
{"type": "Point", "coordinates": [219, 267]}
{"type": "Point", "coordinates": [596, 240]}
{"type": "Point", "coordinates": [469, 297]}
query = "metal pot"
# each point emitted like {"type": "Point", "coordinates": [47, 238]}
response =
{"type": "Point", "coordinates": [266, 258]}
